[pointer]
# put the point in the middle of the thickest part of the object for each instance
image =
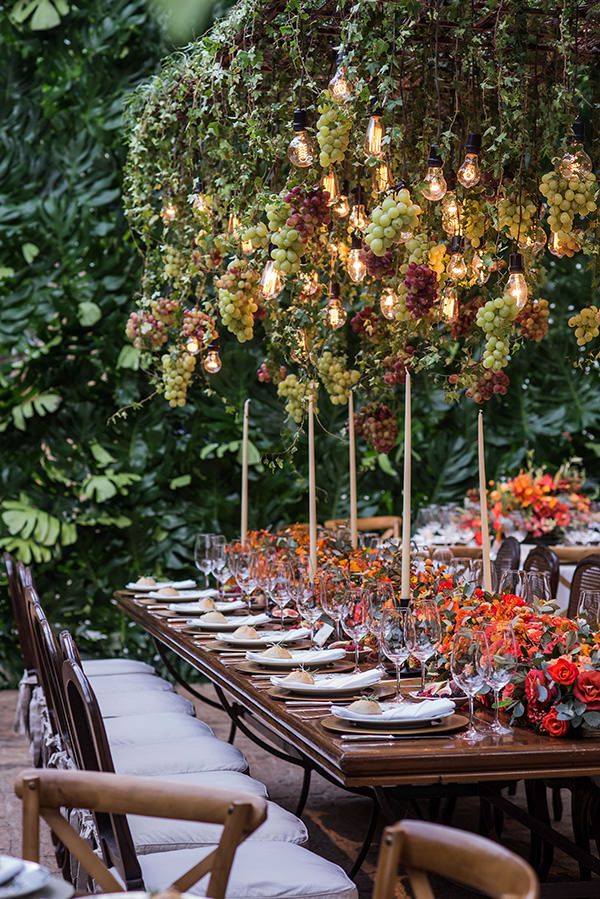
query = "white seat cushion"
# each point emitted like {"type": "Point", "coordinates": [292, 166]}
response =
{"type": "Point", "coordinates": [117, 705]}
{"type": "Point", "coordinates": [259, 871]}
{"type": "Point", "coordinates": [104, 667]}
{"type": "Point", "coordinates": [185, 756]}
{"type": "Point", "coordinates": [128, 683]}
{"type": "Point", "coordinates": [162, 834]}
{"type": "Point", "coordinates": [162, 728]}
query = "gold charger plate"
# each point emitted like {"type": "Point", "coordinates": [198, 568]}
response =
{"type": "Point", "coordinates": [448, 725]}
{"type": "Point", "coordinates": [381, 691]}
{"type": "Point", "coordinates": [330, 667]}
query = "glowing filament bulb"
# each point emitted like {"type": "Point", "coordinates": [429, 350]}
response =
{"type": "Point", "coordinates": [168, 213]}
{"type": "Point", "coordinates": [340, 85]}
{"type": "Point", "coordinates": [381, 179]}
{"type": "Point", "coordinates": [457, 267]}
{"type": "Point", "coordinates": [309, 283]}
{"type": "Point", "coordinates": [336, 314]}
{"type": "Point", "coordinates": [212, 361]}
{"type": "Point", "coordinates": [434, 183]}
{"type": "Point", "coordinates": [329, 182]}
{"type": "Point", "coordinates": [355, 266]}
{"type": "Point", "coordinates": [374, 136]}
{"type": "Point", "coordinates": [342, 207]}
{"type": "Point", "coordinates": [271, 282]}
{"type": "Point", "coordinates": [451, 214]}
{"type": "Point", "coordinates": [247, 248]}
{"type": "Point", "coordinates": [575, 164]}
{"type": "Point", "coordinates": [388, 303]}
{"type": "Point", "coordinates": [517, 285]}
{"type": "Point", "coordinates": [449, 303]}
{"type": "Point", "coordinates": [480, 271]}
{"type": "Point", "coordinates": [233, 225]}
{"type": "Point", "coordinates": [192, 346]}
{"type": "Point", "coordinates": [301, 151]}
{"type": "Point", "coordinates": [358, 220]}
{"type": "Point", "coordinates": [469, 174]}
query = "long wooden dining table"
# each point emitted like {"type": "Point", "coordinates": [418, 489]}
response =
{"type": "Point", "coordinates": [401, 770]}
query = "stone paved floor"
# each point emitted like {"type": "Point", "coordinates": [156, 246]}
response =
{"type": "Point", "coordinates": [335, 819]}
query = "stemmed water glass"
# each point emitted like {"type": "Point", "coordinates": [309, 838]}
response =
{"type": "Point", "coordinates": [263, 571]}
{"type": "Point", "coordinates": [393, 640]}
{"type": "Point", "coordinates": [589, 608]}
{"type": "Point", "coordinates": [423, 632]}
{"type": "Point", "coordinates": [331, 600]}
{"type": "Point", "coordinates": [202, 556]}
{"type": "Point", "coordinates": [354, 616]}
{"type": "Point", "coordinates": [537, 586]}
{"type": "Point", "coordinates": [309, 605]}
{"type": "Point", "coordinates": [468, 647]}
{"type": "Point", "coordinates": [513, 582]}
{"type": "Point", "coordinates": [379, 596]}
{"type": "Point", "coordinates": [278, 586]}
{"type": "Point", "coordinates": [218, 557]}
{"type": "Point", "coordinates": [498, 663]}
{"type": "Point", "coordinates": [240, 565]}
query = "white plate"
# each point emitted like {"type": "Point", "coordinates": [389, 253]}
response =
{"type": "Point", "coordinates": [329, 683]}
{"type": "Point", "coordinates": [185, 608]}
{"type": "Point", "coordinates": [380, 721]}
{"type": "Point", "coordinates": [305, 657]}
{"type": "Point", "coordinates": [30, 878]}
{"type": "Point", "coordinates": [230, 624]}
{"type": "Point", "coordinates": [266, 637]}
{"type": "Point", "coordinates": [182, 596]}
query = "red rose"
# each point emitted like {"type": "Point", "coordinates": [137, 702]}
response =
{"type": "Point", "coordinates": [551, 725]}
{"type": "Point", "coordinates": [563, 671]}
{"type": "Point", "coordinates": [533, 680]}
{"type": "Point", "coordinates": [587, 689]}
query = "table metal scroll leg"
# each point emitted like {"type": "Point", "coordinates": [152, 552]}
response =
{"type": "Point", "coordinates": [304, 791]}
{"type": "Point", "coordinates": [232, 732]}
{"type": "Point", "coordinates": [366, 844]}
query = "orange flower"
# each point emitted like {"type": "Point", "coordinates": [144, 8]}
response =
{"type": "Point", "coordinates": [563, 671]}
{"type": "Point", "coordinates": [553, 726]}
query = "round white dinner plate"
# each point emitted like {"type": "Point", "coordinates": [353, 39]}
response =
{"type": "Point", "coordinates": [300, 657]}
{"type": "Point", "coordinates": [194, 608]}
{"type": "Point", "coordinates": [31, 877]}
{"type": "Point", "coordinates": [265, 637]}
{"type": "Point", "coordinates": [230, 624]}
{"type": "Point", "coordinates": [182, 595]}
{"type": "Point", "coordinates": [327, 683]}
{"type": "Point", "coordinates": [380, 721]}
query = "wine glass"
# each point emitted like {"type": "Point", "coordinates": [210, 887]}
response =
{"type": "Point", "coordinates": [309, 606]}
{"type": "Point", "coordinates": [379, 596]}
{"type": "Point", "coordinates": [393, 640]}
{"type": "Point", "coordinates": [240, 565]}
{"type": "Point", "coordinates": [202, 557]}
{"type": "Point", "coordinates": [468, 647]}
{"type": "Point", "coordinates": [442, 556]}
{"type": "Point", "coordinates": [278, 587]}
{"type": "Point", "coordinates": [263, 571]}
{"type": "Point", "coordinates": [589, 608]}
{"type": "Point", "coordinates": [537, 586]}
{"type": "Point", "coordinates": [331, 601]}
{"type": "Point", "coordinates": [354, 617]}
{"type": "Point", "coordinates": [218, 557]}
{"type": "Point", "coordinates": [498, 663]}
{"type": "Point", "coordinates": [423, 632]}
{"type": "Point", "coordinates": [513, 582]}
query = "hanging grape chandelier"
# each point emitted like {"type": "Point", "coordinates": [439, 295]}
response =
{"type": "Point", "coordinates": [365, 188]}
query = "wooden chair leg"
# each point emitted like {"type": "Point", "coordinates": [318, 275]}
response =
{"type": "Point", "coordinates": [31, 820]}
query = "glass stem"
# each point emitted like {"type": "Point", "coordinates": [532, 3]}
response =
{"type": "Point", "coordinates": [206, 580]}
{"type": "Point", "coordinates": [422, 675]}
{"type": "Point", "coordinates": [356, 651]}
{"type": "Point", "coordinates": [496, 702]}
{"type": "Point", "coordinates": [471, 723]}
{"type": "Point", "coordinates": [398, 667]}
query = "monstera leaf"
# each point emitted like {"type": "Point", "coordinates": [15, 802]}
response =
{"type": "Point", "coordinates": [42, 14]}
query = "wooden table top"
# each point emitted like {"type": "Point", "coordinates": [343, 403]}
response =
{"type": "Point", "coordinates": [439, 760]}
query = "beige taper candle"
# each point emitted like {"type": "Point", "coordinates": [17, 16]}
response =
{"type": "Point", "coordinates": [485, 528]}
{"type": "Point", "coordinates": [352, 465]}
{"type": "Point", "coordinates": [312, 489]}
{"type": "Point", "coordinates": [244, 517]}
{"type": "Point", "coordinates": [406, 492]}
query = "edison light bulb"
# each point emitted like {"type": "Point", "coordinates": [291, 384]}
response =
{"type": "Point", "coordinates": [517, 285]}
{"type": "Point", "coordinates": [374, 135]}
{"type": "Point", "coordinates": [212, 360]}
{"type": "Point", "coordinates": [457, 267]}
{"type": "Point", "coordinates": [340, 85]}
{"type": "Point", "coordinates": [192, 346]}
{"type": "Point", "coordinates": [336, 314]}
{"type": "Point", "coordinates": [481, 272]}
{"type": "Point", "coordinates": [168, 213]}
{"type": "Point", "coordinates": [575, 164]}
{"type": "Point", "coordinates": [271, 282]}
{"type": "Point", "coordinates": [329, 182]}
{"type": "Point", "coordinates": [301, 151]}
{"type": "Point", "coordinates": [355, 266]}
{"type": "Point", "coordinates": [233, 225]}
{"type": "Point", "coordinates": [381, 179]}
{"type": "Point", "coordinates": [388, 303]}
{"type": "Point", "coordinates": [309, 283]}
{"type": "Point", "coordinates": [434, 183]}
{"type": "Point", "coordinates": [342, 207]}
{"type": "Point", "coordinates": [247, 248]}
{"type": "Point", "coordinates": [469, 174]}
{"type": "Point", "coordinates": [358, 220]}
{"type": "Point", "coordinates": [449, 303]}
{"type": "Point", "coordinates": [451, 208]}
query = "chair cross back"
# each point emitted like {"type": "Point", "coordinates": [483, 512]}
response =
{"type": "Point", "coordinates": [585, 577]}
{"type": "Point", "coordinates": [544, 559]}
{"type": "Point", "coordinates": [44, 793]}
{"type": "Point", "coordinates": [473, 861]}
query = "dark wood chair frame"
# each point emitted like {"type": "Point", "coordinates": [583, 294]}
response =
{"type": "Point", "coordinates": [585, 577]}
{"type": "Point", "coordinates": [544, 559]}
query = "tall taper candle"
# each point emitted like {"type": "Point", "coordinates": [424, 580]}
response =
{"type": "Point", "coordinates": [312, 490]}
{"type": "Point", "coordinates": [485, 528]}
{"type": "Point", "coordinates": [244, 521]}
{"type": "Point", "coordinates": [406, 493]}
{"type": "Point", "coordinates": [352, 461]}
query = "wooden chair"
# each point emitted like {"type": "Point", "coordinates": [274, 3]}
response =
{"type": "Point", "coordinates": [17, 605]}
{"type": "Point", "coordinates": [585, 577]}
{"type": "Point", "coordinates": [464, 858]}
{"type": "Point", "coordinates": [508, 557]}
{"type": "Point", "coordinates": [544, 559]}
{"type": "Point", "coordinates": [389, 524]}
{"type": "Point", "coordinates": [44, 793]}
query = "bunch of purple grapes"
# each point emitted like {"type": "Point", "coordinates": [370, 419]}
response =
{"type": "Point", "coordinates": [464, 322]}
{"type": "Point", "coordinates": [377, 424]}
{"type": "Point", "coordinates": [378, 266]}
{"type": "Point", "coordinates": [489, 384]}
{"type": "Point", "coordinates": [422, 289]}
{"type": "Point", "coordinates": [366, 323]}
{"type": "Point", "coordinates": [309, 211]}
{"type": "Point", "coordinates": [397, 366]}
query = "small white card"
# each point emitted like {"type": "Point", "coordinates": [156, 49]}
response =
{"type": "Point", "coordinates": [323, 634]}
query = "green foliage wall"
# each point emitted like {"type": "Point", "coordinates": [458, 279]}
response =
{"type": "Point", "coordinates": [89, 498]}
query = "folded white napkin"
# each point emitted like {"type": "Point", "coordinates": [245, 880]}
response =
{"type": "Point", "coordinates": [189, 585]}
{"type": "Point", "coordinates": [195, 608]}
{"type": "Point", "coordinates": [340, 681]}
{"type": "Point", "coordinates": [403, 711]}
{"type": "Point", "coordinates": [252, 620]}
{"type": "Point", "coordinates": [266, 637]}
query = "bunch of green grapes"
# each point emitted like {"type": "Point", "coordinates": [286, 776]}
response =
{"type": "Point", "coordinates": [496, 319]}
{"type": "Point", "coordinates": [395, 217]}
{"type": "Point", "coordinates": [174, 263]}
{"type": "Point", "coordinates": [278, 212]}
{"type": "Point", "coordinates": [566, 199]}
{"type": "Point", "coordinates": [337, 380]}
{"type": "Point", "coordinates": [435, 259]}
{"type": "Point", "coordinates": [417, 247]}
{"type": "Point", "coordinates": [586, 324]}
{"type": "Point", "coordinates": [333, 130]}
{"type": "Point", "coordinates": [238, 298]}
{"type": "Point", "coordinates": [296, 394]}
{"type": "Point", "coordinates": [473, 221]}
{"type": "Point", "coordinates": [514, 218]}
{"type": "Point", "coordinates": [257, 235]}
{"type": "Point", "coordinates": [287, 250]}
{"type": "Point", "coordinates": [177, 371]}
